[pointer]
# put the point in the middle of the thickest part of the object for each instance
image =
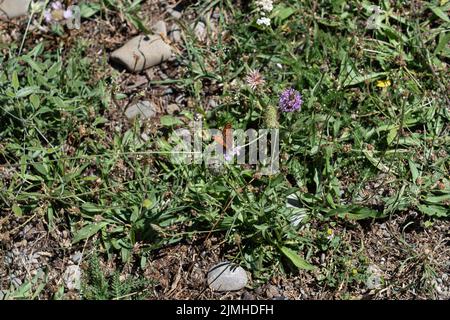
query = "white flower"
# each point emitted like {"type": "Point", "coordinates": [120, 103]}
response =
{"type": "Point", "coordinates": [265, 5]}
{"type": "Point", "coordinates": [263, 20]}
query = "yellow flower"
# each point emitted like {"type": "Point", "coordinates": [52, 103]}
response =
{"type": "Point", "coordinates": [147, 203]}
{"type": "Point", "coordinates": [355, 272]}
{"type": "Point", "coordinates": [383, 83]}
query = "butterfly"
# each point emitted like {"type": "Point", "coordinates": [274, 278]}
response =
{"type": "Point", "coordinates": [226, 138]}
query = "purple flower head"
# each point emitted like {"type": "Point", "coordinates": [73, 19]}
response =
{"type": "Point", "coordinates": [233, 152]}
{"type": "Point", "coordinates": [68, 14]}
{"type": "Point", "coordinates": [48, 16]}
{"type": "Point", "coordinates": [290, 100]}
{"type": "Point", "coordinates": [57, 5]}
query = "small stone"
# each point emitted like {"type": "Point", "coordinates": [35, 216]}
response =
{"type": "Point", "coordinates": [145, 137]}
{"type": "Point", "coordinates": [280, 298]}
{"type": "Point", "coordinates": [272, 292]}
{"type": "Point", "coordinates": [227, 277]}
{"type": "Point", "coordinates": [374, 278]}
{"type": "Point", "coordinates": [163, 76]}
{"type": "Point", "coordinates": [200, 31]}
{"type": "Point", "coordinates": [72, 277]}
{"type": "Point", "coordinates": [175, 33]}
{"type": "Point", "coordinates": [174, 13]}
{"type": "Point", "coordinates": [142, 52]}
{"type": "Point", "coordinates": [15, 281]}
{"type": "Point", "coordinates": [76, 257]}
{"type": "Point", "coordinates": [145, 109]}
{"type": "Point", "coordinates": [180, 99]}
{"type": "Point", "coordinates": [212, 103]}
{"type": "Point", "coordinates": [168, 91]}
{"type": "Point", "coordinates": [10, 9]}
{"type": "Point", "coordinates": [247, 296]}
{"type": "Point", "coordinates": [173, 108]}
{"type": "Point", "coordinates": [160, 28]}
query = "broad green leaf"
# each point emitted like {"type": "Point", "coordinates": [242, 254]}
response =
{"type": "Point", "coordinates": [88, 231]}
{"type": "Point", "coordinates": [17, 210]}
{"type": "Point", "coordinates": [437, 211]}
{"type": "Point", "coordinates": [87, 10]}
{"type": "Point", "coordinates": [377, 162]}
{"type": "Point", "coordinates": [392, 135]}
{"type": "Point", "coordinates": [354, 213]}
{"type": "Point", "coordinates": [414, 171]}
{"type": "Point", "coordinates": [15, 81]}
{"type": "Point", "coordinates": [169, 121]}
{"type": "Point", "coordinates": [282, 12]}
{"type": "Point", "coordinates": [24, 92]}
{"type": "Point", "coordinates": [296, 259]}
{"type": "Point", "coordinates": [438, 11]}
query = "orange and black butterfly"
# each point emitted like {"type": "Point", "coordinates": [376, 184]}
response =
{"type": "Point", "coordinates": [226, 138]}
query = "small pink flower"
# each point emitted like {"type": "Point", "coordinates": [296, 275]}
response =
{"type": "Point", "coordinates": [254, 79]}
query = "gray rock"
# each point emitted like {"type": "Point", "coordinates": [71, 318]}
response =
{"type": "Point", "coordinates": [172, 108]}
{"type": "Point", "coordinates": [175, 33]}
{"type": "Point", "coordinates": [174, 13]}
{"type": "Point", "coordinates": [3, 294]}
{"type": "Point", "coordinates": [72, 277]}
{"type": "Point", "coordinates": [144, 109]}
{"type": "Point", "coordinates": [374, 277]}
{"type": "Point", "coordinates": [14, 8]}
{"type": "Point", "coordinates": [160, 28]}
{"type": "Point", "coordinates": [200, 31]}
{"type": "Point", "coordinates": [247, 296]}
{"type": "Point", "coordinates": [145, 136]}
{"type": "Point", "coordinates": [226, 277]}
{"type": "Point", "coordinates": [212, 103]}
{"type": "Point", "coordinates": [180, 99]}
{"type": "Point", "coordinates": [142, 52]}
{"type": "Point", "coordinates": [272, 291]}
{"type": "Point", "coordinates": [76, 257]}
{"type": "Point", "coordinates": [15, 281]}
